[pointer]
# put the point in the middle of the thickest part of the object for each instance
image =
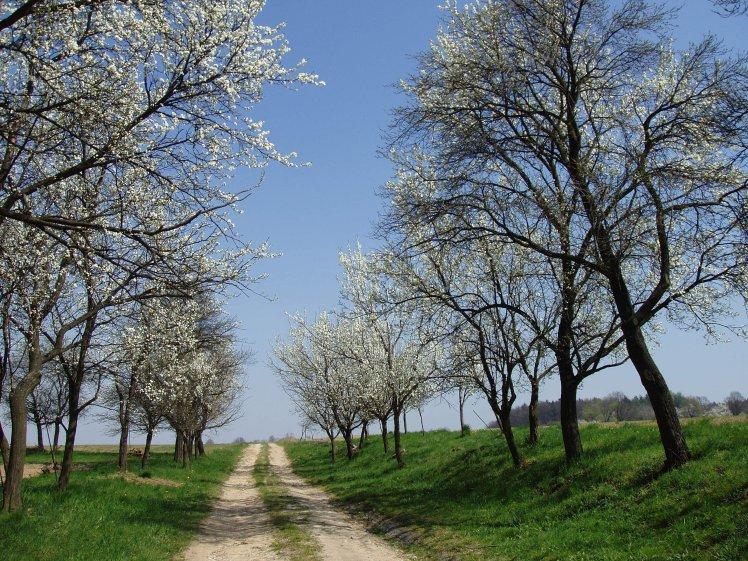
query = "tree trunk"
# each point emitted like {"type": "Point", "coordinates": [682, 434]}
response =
{"type": "Point", "coordinates": [14, 473]}
{"type": "Point", "coordinates": [67, 455]}
{"type": "Point", "coordinates": [332, 448]}
{"type": "Point", "coordinates": [56, 438]}
{"type": "Point", "coordinates": [461, 403]}
{"type": "Point", "coordinates": [420, 416]}
{"type": "Point", "coordinates": [405, 422]}
{"type": "Point", "coordinates": [147, 449]}
{"type": "Point", "coordinates": [4, 448]}
{"type": "Point", "coordinates": [178, 448]}
{"type": "Point", "coordinates": [385, 435]}
{"type": "Point", "coordinates": [364, 435]}
{"type": "Point", "coordinates": [396, 433]}
{"type": "Point", "coordinates": [199, 444]}
{"type": "Point", "coordinates": [19, 418]}
{"type": "Point", "coordinates": [39, 426]}
{"type": "Point", "coordinates": [348, 437]}
{"type": "Point", "coordinates": [533, 411]}
{"type": "Point", "coordinates": [671, 432]}
{"type": "Point", "coordinates": [506, 429]}
{"type": "Point", "coordinates": [187, 454]}
{"type": "Point", "coordinates": [123, 433]}
{"type": "Point", "coordinates": [569, 419]}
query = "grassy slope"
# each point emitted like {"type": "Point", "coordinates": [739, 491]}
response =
{"type": "Point", "coordinates": [611, 505]}
{"type": "Point", "coordinates": [103, 517]}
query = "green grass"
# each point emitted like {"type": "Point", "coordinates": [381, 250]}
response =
{"type": "Point", "coordinates": [286, 514]}
{"type": "Point", "coordinates": [102, 516]}
{"type": "Point", "coordinates": [614, 504]}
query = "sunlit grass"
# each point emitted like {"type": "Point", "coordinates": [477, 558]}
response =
{"type": "Point", "coordinates": [613, 504]}
{"type": "Point", "coordinates": [103, 516]}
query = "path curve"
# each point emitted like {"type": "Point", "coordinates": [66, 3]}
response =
{"type": "Point", "coordinates": [238, 528]}
{"type": "Point", "coordinates": [342, 538]}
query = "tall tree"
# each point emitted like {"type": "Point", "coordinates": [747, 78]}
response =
{"type": "Point", "coordinates": [580, 115]}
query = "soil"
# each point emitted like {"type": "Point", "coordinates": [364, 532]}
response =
{"type": "Point", "coordinates": [342, 538]}
{"type": "Point", "coordinates": [239, 527]}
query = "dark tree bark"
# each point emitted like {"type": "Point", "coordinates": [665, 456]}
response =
{"type": "Point", "coordinates": [18, 417]}
{"type": "Point", "coordinates": [67, 455]}
{"type": "Point", "coordinates": [147, 449]}
{"type": "Point", "coordinates": [56, 437]}
{"type": "Point", "coordinates": [508, 432]}
{"type": "Point", "coordinates": [461, 402]}
{"type": "Point", "coordinates": [396, 411]}
{"type": "Point", "coordinates": [4, 448]}
{"type": "Point", "coordinates": [332, 447]}
{"type": "Point", "coordinates": [532, 412]}
{"type": "Point", "coordinates": [385, 435]}
{"type": "Point", "coordinates": [38, 421]}
{"type": "Point", "coordinates": [178, 448]}
{"type": "Point", "coordinates": [199, 444]}
{"type": "Point", "coordinates": [364, 435]}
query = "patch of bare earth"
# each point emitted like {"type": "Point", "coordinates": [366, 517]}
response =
{"type": "Point", "coordinates": [238, 528]}
{"type": "Point", "coordinates": [342, 538]}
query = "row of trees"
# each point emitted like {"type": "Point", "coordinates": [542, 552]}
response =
{"type": "Point", "coordinates": [119, 124]}
{"type": "Point", "coordinates": [565, 178]}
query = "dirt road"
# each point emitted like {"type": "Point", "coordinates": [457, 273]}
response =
{"type": "Point", "coordinates": [239, 528]}
{"type": "Point", "coordinates": [342, 538]}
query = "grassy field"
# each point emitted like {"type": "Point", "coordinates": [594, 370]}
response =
{"type": "Point", "coordinates": [468, 503]}
{"type": "Point", "coordinates": [103, 516]}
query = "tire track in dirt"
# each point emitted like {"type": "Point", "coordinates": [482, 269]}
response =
{"type": "Point", "coordinates": [238, 528]}
{"type": "Point", "coordinates": [342, 538]}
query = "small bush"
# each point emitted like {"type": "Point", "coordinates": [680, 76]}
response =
{"type": "Point", "coordinates": [465, 429]}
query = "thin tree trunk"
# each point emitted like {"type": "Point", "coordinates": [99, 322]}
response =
{"type": "Point", "coordinates": [364, 435]}
{"type": "Point", "coordinates": [385, 435]}
{"type": "Point", "coordinates": [56, 438]}
{"type": "Point", "coordinates": [506, 429]}
{"type": "Point", "coordinates": [123, 433]}
{"type": "Point", "coordinates": [461, 402]}
{"type": "Point", "coordinates": [147, 449]}
{"type": "Point", "coordinates": [396, 433]}
{"type": "Point", "coordinates": [4, 448]}
{"type": "Point", "coordinates": [332, 447]}
{"type": "Point", "coordinates": [67, 455]}
{"type": "Point", "coordinates": [39, 425]}
{"type": "Point", "coordinates": [405, 422]}
{"type": "Point", "coordinates": [533, 411]}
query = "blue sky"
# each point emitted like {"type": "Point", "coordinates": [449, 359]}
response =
{"type": "Point", "coordinates": [310, 214]}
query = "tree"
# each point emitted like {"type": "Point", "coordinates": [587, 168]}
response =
{"type": "Point", "coordinates": [735, 403]}
{"type": "Point", "coordinates": [580, 117]}
{"type": "Point", "coordinates": [111, 181]}
{"type": "Point", "coordinates": [320, 377]}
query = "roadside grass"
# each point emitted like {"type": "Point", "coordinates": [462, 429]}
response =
{"type": "Point", "coordinates": [103, 516]}
{"type": "Point", "coordinates": [285, 513]}
{"type": "Point", "coordinates": [614, 504]}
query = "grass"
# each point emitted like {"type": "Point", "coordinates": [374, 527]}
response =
{"type": "Point", "coordinates": [614, 504]}
{"type": "Point", "coordinates": [103, 516]}
{"type": "Point", "coordinates": [286, 514]}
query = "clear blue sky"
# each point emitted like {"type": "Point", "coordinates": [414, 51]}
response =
{"type": "Point", "coordinates": [310, 214]}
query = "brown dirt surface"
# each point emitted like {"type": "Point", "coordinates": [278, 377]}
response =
{"type": "Point", "coordinates": [238, 528]}
{"type": "Point", "coordinates": [342, 538]}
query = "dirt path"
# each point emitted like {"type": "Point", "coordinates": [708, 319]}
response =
{"type": "Point", "coordinates": [238, 528]}
{"type": "Point", "coordinates": [342, 538]}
